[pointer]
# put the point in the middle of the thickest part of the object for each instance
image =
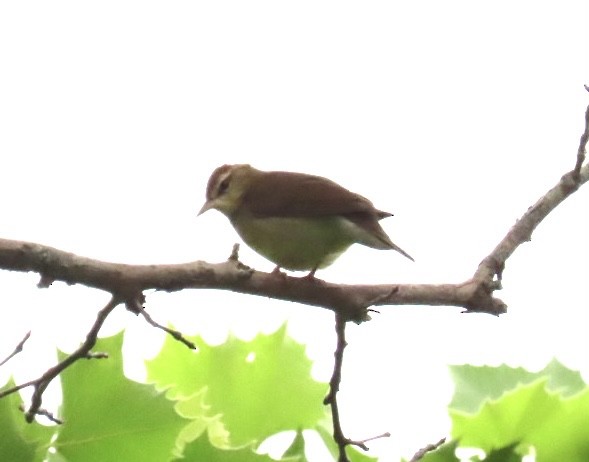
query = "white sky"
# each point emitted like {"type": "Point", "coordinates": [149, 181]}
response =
{"type": "Point", "coordinates": [455, 115]}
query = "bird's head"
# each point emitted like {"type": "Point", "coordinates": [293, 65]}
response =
{"type": "Point", "coordinates": [226, 187]}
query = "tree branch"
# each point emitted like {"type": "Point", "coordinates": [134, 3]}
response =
{"type": "Point", "coordinates": [522, 231]}
{"type": "Point", "coordinates": [177, 335]}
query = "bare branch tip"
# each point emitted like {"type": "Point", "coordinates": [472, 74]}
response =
{"type": "Point", "coordinates": [45, 282]}
{"type": "Point", "coordinates": [16, 388]}
{"type": "Point", "coordinates": [429, 448]}
{"type": "Point", "coordinates": [17, 349]}
{"type": "Point", "coordinates": [377, 437]}
{"type": "Point", "coordinates": [234, 253]}
{"type": "Point", "coordinates": [31, 413]}
{"type": "Point", "coordinates": [176, 335]}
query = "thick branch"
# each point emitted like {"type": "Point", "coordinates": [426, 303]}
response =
{"type": "Point", "coordinates": [128, 280]}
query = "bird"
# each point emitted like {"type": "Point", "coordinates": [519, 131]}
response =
{"type": "Point", "coordinates": [300, 222]}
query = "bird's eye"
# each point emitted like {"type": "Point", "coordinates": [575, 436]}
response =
{"type": "Point", "coordinates": [223, 186]}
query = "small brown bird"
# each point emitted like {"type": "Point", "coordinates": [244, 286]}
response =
{"type": "Point", "coordinates": [297, 221]}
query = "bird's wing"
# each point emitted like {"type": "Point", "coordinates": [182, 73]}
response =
{"type": "Point", "coordinates": [278, 194]}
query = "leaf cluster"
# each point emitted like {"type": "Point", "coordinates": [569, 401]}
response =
{"type": "Point", "coordinates": [219, 403]}
{"type": "Point", "coordinates": [509, 413]}
{"type": "Point", "coordinates": [214, 403]}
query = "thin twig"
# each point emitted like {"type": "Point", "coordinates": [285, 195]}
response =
{"type": "Point", "coordinates": [423, 451]}
{"type": "Point", "coordinates": [331, 398]}
{"type": "Point", "coordinates": [377, 437]}
{"type": "Point", "coordinates": [177, 335]}
{"type": "Point", "coordinates": [97, 355]}
{"type": "Point", "coordinates": [83, 351]}
{"type": "Point", "coordinates": [17, 349]}
{"type": "Point", "coordinates": [336, 377]}
{"type": "Point", "coordinates": [16, 388]}
{"type": "Point", "coordinates": [45, 413]}
{"type": "Point", "coordinates": [581, 153]}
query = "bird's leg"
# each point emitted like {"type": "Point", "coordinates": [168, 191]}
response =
{"type": "Point", "coordinates": [311, 275]}
{"type": "Point", "coordinates": [277, 272]}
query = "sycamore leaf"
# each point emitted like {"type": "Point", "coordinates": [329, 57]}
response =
{"type": "Point", "coordinates": [259, 388]}
{"type": "Point", "coordinates": [195, 409]}
{"type": "Point", "coordinates": [109, 417]}
{"type": "Point", "coordinates": [325, 431]}
{"type": "Point", "coordinates": [19, 440]}
{"type": "Point", "coordinates": [352, 452]}
{"type": "Point", "coordinates": [297, 448]}
{"type": "Point", "coordinates": [358, 455]}
{"type": "Point", "coordinates": [201, 450]}
{"type": "Point", "coordinates": [474, 385]}
{"type": "Point", "coordinates": [506, 454]}
{"type": "Point", "coordinates": [556, 427]}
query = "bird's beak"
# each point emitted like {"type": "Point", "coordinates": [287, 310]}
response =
{"type": "Point", "coordinates": [207, 205]}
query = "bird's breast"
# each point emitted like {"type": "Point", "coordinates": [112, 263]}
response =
{"type": "Point", "coordinates": [295, 243]}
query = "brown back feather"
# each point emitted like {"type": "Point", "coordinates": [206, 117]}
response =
{"type": "Point", "coordinates": [322, 197]}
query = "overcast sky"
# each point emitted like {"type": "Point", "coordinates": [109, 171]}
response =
{"type": "Point", "coordinates": [456, 116]}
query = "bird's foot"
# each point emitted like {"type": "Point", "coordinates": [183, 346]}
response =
{"type": "Point", "coordinates": [311, 276]}
{"type": "Point", "coordinates": [276, 271]}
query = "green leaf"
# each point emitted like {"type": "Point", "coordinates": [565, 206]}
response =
{"type": "Point", "coordinates": [297, 448]}
{"type": "Point", "coordinates": [530, 415]}
{"type": "Point", "coordinates": [19, 440]}
{"type": "Point", "coordinates": [506, 454]}
{"type": "Point", "coordinates": [260, 388]}
{"type": "Point", "coordinates": [194, 408]}
{"type": "Point", "coordinates": [201, 450]}
{"type": "Point", "coordinates": [356, 456]}
{"type": "Point", "coordinates": [55, 457]}
{"type": "Point", "coordinates": [353, 453]}
{"type": "Point", "coordinates": [475, 385]}
{"type": "Point", "coordinates": [109, 417]}
{"type": "Point", "coordinates": [325, 432]}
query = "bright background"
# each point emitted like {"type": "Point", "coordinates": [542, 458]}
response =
{"type": "Point", "coordinates": [456, 116]}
